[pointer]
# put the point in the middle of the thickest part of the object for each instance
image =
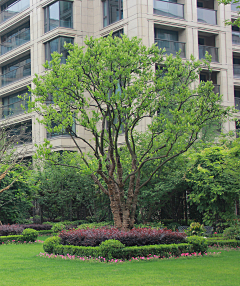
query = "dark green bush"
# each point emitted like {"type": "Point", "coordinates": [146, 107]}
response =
{"type": "Point", "coordinates": [57, 227]}
{"type": "Point", "coordinates": [44, 232]}
{"type": "Point", "coordinates": [232, 232]}
{"type": "Point", "coordinates": [11, 238]}
{"type": "Point", "coordinates": [29, 234]}
{"type": "Point", "coordinates": [222, 243]}
{"type": "Point", "coordinates": [50, 243]}
{"type": "Point", "coordinates": [76, 250]}
{"type": "Point", "coordinates": [108, 248]}
{"type": "Point", "coordinates": [199, 243]}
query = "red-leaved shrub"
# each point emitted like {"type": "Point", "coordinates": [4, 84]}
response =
{"type": "Point", "coordinates": [18, 228]}
{"type": "Point", "coordinates": [136, 236]}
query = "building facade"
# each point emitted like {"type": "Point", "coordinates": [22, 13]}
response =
{"type": "Point", "coordinates": [30, 30]}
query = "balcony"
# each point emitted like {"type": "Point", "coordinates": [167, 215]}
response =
{"type": "Point", "coordinates": [16, 74]}
{"type": "Point", "coordinates": [207, 16]}
{"type": "Point", "coordinates": [168, 9]}
{"type": "Point", "coordinates": [236, 38]}
{"type": "Point", "coordinates": [171, 47]}
{"type": "Point", "coordinates": [216, 88]}
{"type": "Point", "coordinates": [237, 103]}
{"type": "Point", "coordinates": [14, 9]}
{"type": "Point", "coordinates": [211, 51]}
{"type": "Point", "coordinates": [236, 70]}
{"type": "Point", "coordinates": [234, 7]}
{"type": "Point", "coordinates": [16, 41]}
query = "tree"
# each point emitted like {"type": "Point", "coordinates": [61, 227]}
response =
{"type": "Point", "coordinates": [214, 178]}
{"type": "Point", "coordinates": [13, 151]}
{"type": "Point", "coordinates": [113, 88]}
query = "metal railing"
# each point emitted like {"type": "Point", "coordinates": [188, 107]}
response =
{"type": "Point", "coordinates": [207, 16]}
{"type": "Point", "coordinates": [16, 74]}
{"type": "Point", "coordinates": [234, 6]}
{"type": "Point", "coordinates": [216, 88]}
{"type": "Point", "coordinates": [16, 41]}
{"type": "Point", "coordinates": [236, 70]}
{"type": "Point", "coordinates": [168, 9]}
{"type": "Point", "coordinates": [171, 47]}
{"type": "Point", "coordinates": [213, 51]}
{"type": "Point", "coordinates": [236, 38]}
{"type": "Point", "coordinates": [14, 9]}
{"type": "Point", "coordinates": [237, 103]}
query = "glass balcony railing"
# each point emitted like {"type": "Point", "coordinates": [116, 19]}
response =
{"type": "Point", "coordinates": [168, 9]}
{"type": "Point", "coordinates": [16, 74]}
{"type": "Point", "coordinates": [14, 9]}
{"type": "Point", "coordinates": [216, 88]}
{"type": "Point", "coordinates": [234, 7]}
{"type": "Point", "coordinates": [237, 103]}
{"type": "Point", "coordinates": [236, 70]}
{"type": "Point", "coordinates": [207, 16]}
{"type": "Point", "coordinates": [213, 51]}
{"type": "Point", "coordinates": [236, 38]}
{"type": "Point", "coordinates": [171, 47]}
{"type": "Point", "coordinates": [15, 41]}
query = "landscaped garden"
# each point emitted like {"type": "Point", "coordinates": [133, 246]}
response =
{"type": "Point", "coordinates": [26, 262]}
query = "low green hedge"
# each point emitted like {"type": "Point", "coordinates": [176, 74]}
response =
{"type": "Point", "coordinates": [45, 232]}
{"type": "Point", "coordinates": [27, 235]}
{"type": "Point", "coordinates": [226, 242]}
{"type": "Point", "coordinates": [161, 250]}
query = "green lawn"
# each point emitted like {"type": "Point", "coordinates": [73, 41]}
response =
{"type": "Point", "coordinates": [20, 265]}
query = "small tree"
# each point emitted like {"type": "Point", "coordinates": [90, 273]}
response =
{"type": "Point", "coordinates": [13, 150]}
{"type": "Point", "coordinates": [113, 89]}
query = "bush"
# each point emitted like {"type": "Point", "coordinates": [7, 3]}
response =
{"type": "Point", "coordinates": [109, 248]}
{"type": "Point", "coordinates": [134, 237]}
{"type": "Point", "coordinates": [199, 243]}
{"type": "Point", "coordinates": [50, 243]}
{"type": "Point", "coordinates": [95, 225]}
{"type": "Point", "coordinates": [10, 229]}
{"type": "Point", "coordinates": [58, 227]}
{"type": "Point", "coordinates": [232, 232]}
{"type": "Point", "coordinates": [29, 234]}
{"type": "Point", "coordinates": [126, 252]}
{"type": "Point", "coordinates": [222, 243]}
{"type": "Point", "coordinates": [195, 229]}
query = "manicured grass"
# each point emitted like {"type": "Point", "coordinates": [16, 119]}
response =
{"type": "Point", "coordinates": [20, 265]}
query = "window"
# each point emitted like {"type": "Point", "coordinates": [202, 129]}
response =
{"type": "Point", "coordinates": [65, 131]}
{"type": "Point", "coordinates": [58, 14]}
{"type": "Point", "coordinates": [22, 132]}
{"type": "Point", "coordinates": [57, 45]}
{"type": "Point", "coordinates": [11, 105]}
{"type": "Point", "coordinates": [16, 70]}
{"type": "Point", "coordinates": [15, 38]}
{"type": "Point", "coordinates": [118, 33]}
{"type": "Point", "coordinates": [112, 11]}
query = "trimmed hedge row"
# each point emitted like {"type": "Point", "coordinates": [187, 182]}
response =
{"type": "Point", "coordinates": [15, 229]}
{"type": "Point", "coordinates": [161, 250]}
{"type": "Point", "coordinates": [226, 242]}
{"type": "Point", "coordinates": [27, 235]}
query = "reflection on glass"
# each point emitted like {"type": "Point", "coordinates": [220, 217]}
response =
{"type": "Point", "coordinates": [168, 9]}
{"type": "Point", "coordinates": [14, 9]}
{"type": "Point", "coordinates": [207, 16]}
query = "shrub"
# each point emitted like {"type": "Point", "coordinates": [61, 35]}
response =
{"type": "Point", "coordinates": [109, 248]}
{"type": "Point", "coordinates": [134, 237]}
{"type": "Point", "coordinates": [126, 252]}
{"type": "Point", "coordinates": [196, 229]}
{"type": "Point", "coordinates": [199, 243]}
{"type": "Point", "coordinates": [29, 234]}
{"type": "Point", "coordinates": [222, 243]}
{"type": "Point", "coordinates": [50, 243]}
{"type": "Point", "coordinates": [94, 225]}
{"type": "Point", "coordinates": [232, 232]}
{"type": "Point", "coordinates": [10, 229]}
{"type": "Point", "coordinates": [58, 227]}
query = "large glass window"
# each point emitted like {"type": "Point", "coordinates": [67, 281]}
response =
{"type": "Point", "coordinates": [57, 45]}
{"type": "Point", "coordinates": [15, 38]}
{"type": "Point", "coordinates": [12, 104]}
{"type": "Point", "coordinates": [58, 14]}
{"type": "Point", "coordinates": [22, 132]}
{"type": "Point", "coordinates": [64, 131]}
{"type": "Point", "coordinates": [112, 11]}
{"type": "Point", "coordinates": [16, 70]}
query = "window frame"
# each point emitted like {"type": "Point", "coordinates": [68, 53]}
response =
{"type": "Point", "coordinates": [108, 16]}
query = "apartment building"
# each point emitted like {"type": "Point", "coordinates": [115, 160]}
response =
{"type": "Point", "coordinates": [30, 30]}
